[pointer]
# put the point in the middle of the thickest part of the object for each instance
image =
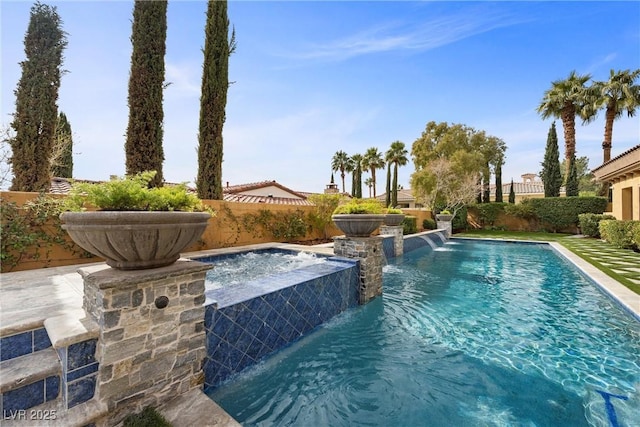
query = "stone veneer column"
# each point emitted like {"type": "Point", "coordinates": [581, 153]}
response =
{"type": "Point", "coordinates": [367, 250]}
{"type": "Point", "coordinates": [398, 239]}
{"type": "Point", "coordinates": [151, 344]}
{"type": "Point", "coordinates": [446, 226]}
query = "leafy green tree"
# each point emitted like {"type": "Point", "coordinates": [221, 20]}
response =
{"type": "Point", "coordinates": [565, 100]}
{"type": "Point", "coordinates": [512, 193]}
{"type": "Point", "coordinates": [34, 120]}
{"type": "Point", "coordinates": [143, 147]}
{"type": "Point", "coordinates": [371, 161]}
{"type": "Point", "coordinates": [213, 99]}
{"type": "Point", "coordinates": [551, 174]}
{"type": "Point", "coordinates": [62, 154]}
{"type": "Point", "coordinates": [396, 155]}
{"type": "Point", "coordinates": [340, 162]}
{"type": "Point", "coordinates": [571, 187]}
{"type": "Point", "coordinates": [618, 95]}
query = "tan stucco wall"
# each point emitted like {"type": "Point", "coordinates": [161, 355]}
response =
{"type": "Point", "coordinates": [626, 198]}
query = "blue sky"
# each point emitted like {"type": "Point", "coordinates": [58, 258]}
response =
{"type": "Point", "coordinates": [311, 78]}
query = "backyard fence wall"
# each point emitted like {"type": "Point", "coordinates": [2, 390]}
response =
{"type": "Point", "coordinates": [227, 229]}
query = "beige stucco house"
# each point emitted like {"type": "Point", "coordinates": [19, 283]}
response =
{"type": "Point", "coordinates": [623, 173]}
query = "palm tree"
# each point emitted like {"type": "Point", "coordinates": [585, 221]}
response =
{"type": "Point", "coordinates": [565, 100]}
{"type": "Point", "coordinates": [369, 183]}
{"type": "Point", "coordinates": [617, 95]}
{"type": "Point", "coordinates": [340, 162]}
{"type": "Point", "coordinates": [397, 155]}
{"type": "Point", "coordinates": [373, 160]}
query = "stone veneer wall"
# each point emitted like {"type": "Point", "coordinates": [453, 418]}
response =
{"type": "Point", "coordinates": [369, 251]}
{"type": "Point", "coordinates": [152, 341]}
{"type": "Point", "coordinates": [396, 232]}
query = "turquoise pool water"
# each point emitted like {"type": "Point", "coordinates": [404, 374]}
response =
{"type": "Point", "coordinates": [470, 334]}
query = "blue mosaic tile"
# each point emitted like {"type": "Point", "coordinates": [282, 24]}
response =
{"type": "Point", "coordinates": [41, 339]}
{"type": "Point", "coordinates": [24, 397]}
{"type": "Point", "coordinates": [16, 345]}
{"type": "Point", "coordinates": [52, 388]}
{"type": "Point", "coordinates": [81, 354]}
{"type": "Point", "coordinates": [82, 372]}
{"type": "Point", "coordinates": [80, 391]}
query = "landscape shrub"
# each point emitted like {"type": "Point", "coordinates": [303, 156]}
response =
{"type": "Point", "coordinates": [618, 233]}
{"type": "Point", "coordinates": [459, 222]}
{"type": "Point", "coordinates": [523, 210]}
{"type": "Point", "coordinates": [488, 212]}
{"type": "Point", "coordinates": [589, 223]}
{"type": "Point", "coordinates": [429, 224]}
{"type": "Point", "coordinates": [409, 225]}
{"type": "Point", "coordinates": [635, 234]}
{"type": "Point", "coordinates": [562, 212]}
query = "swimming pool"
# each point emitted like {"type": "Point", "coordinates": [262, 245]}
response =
{"type": "Point", "coordinates": [473, 333]}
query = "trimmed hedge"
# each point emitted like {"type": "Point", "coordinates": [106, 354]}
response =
{"type": "Point", "coordinates": [619, 233]}
{"type": "Point", "coordinates": [488, 212]}
{"type": "Point", "coordinates": [635, 234]}
{"type": "Point", "coordinates": [589, 223]}
{"type": "Point", "coordinates": [560, 213]}
{"type": "Point", "coordinates": [429, 224]}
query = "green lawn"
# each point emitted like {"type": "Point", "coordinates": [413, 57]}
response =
{"type": "Point", "coordinates": [622, 265]}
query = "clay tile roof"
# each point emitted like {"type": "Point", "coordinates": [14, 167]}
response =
{"type": "Point", "coordinates": [247, 198]}
{"type": "Point", "coordinates": [240, 188]}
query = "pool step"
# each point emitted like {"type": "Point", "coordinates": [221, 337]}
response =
{"type": "Point", "coordinates": [29, 380]}
{"type": "Point", "coordinates": [54, 414]}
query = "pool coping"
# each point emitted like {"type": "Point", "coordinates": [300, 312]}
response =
{"type": "Point", "coordinates": [625, 297]}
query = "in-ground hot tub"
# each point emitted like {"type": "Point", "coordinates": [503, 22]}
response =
{"type": "Point", "coordinates": [263, 300]}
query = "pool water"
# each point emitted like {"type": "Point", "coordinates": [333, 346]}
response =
{"type": "Point", "coordinates": [244, 267]}
{"type": "Point", "coordinates": [470, 334]}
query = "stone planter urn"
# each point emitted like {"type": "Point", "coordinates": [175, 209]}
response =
{"type": "Point", "coordinates": [135, 240]}
{"type": "Point", "coordinates": [393, 219]}
{"type": "Point", "coordinates": [444, 217]}
{"type": "Point", "coordinates": [358, 225]}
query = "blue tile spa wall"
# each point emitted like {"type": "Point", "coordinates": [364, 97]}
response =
{"type": "Point", "coordinates": [79, 372]}
{"type": "Point", "coordinates": [433, 239]}
{"type": "Point", "coordinates": [23, 343]}
{"type": "Point", "coordinates": [251, 321]}
{"type": "Point", "coordinates": [30, 395]}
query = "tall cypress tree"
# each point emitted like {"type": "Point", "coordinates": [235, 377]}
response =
{"type": "Point", "coordinates": [143, 147]}
{"type": "Point", "coordinates": [499, 183]}
{"type": "Point", "coordinates": [512, 193]}
{"type": "Point", "coordinates": [63, 149]}
{"type": "Point", "coordinates": [387, 200]}
{"type": "Point", "coordinates": [571, 187]}
{"type": "Point", "coordinates": [213, 100]}
{"type": "Point", "coordinates": [36, 100]}
{"type": "Point", "coordinates": [551, 174]}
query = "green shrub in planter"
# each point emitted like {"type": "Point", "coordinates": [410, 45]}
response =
{"type": "Point", "coordinates": [618, 233]}
{"type": "Point", "coordinates": [589, 223]}
{"type": "Point", "coordinates": [359, 206]}
{"type": "Point", "coordinates": [429, 224]}
{"type": "Point", "coordinates": [409, 225]}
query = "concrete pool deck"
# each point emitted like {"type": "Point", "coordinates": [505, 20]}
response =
{"type": "Point", "coordinates": [27, 298]}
